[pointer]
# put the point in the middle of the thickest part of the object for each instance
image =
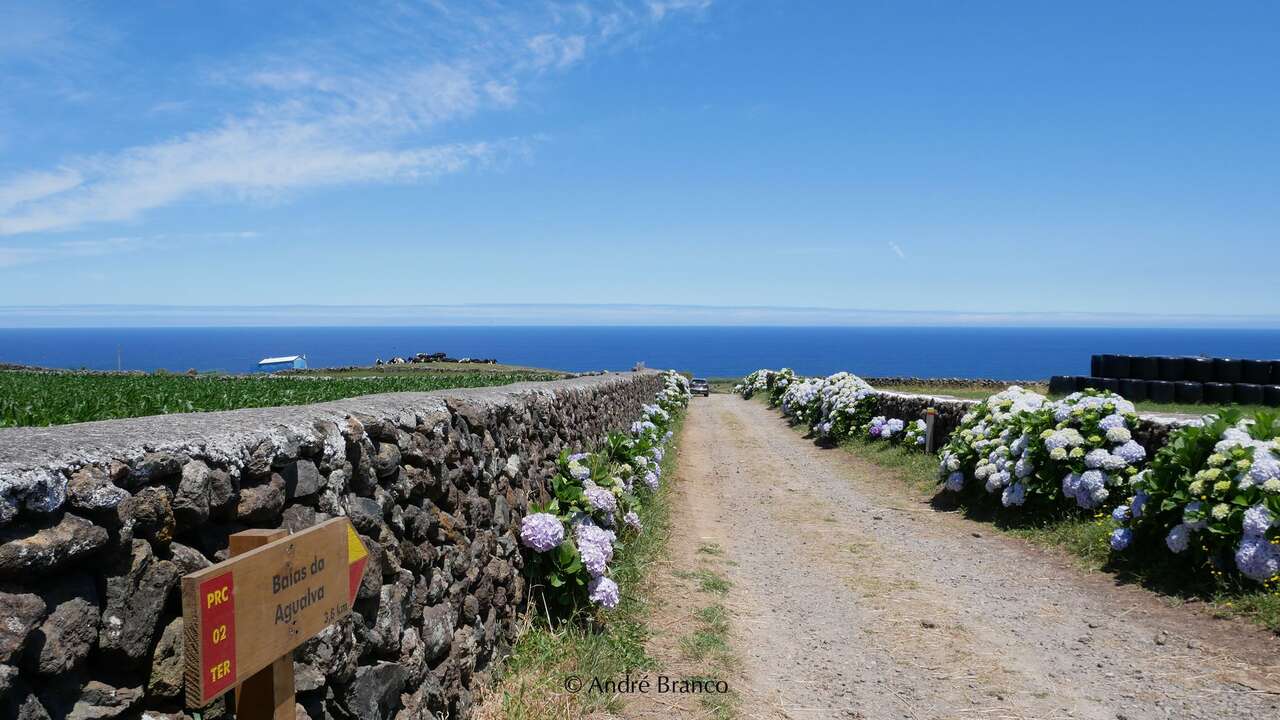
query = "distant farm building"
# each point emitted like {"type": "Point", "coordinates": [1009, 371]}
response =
{"type": "Point", "coordinates": [288, 362]}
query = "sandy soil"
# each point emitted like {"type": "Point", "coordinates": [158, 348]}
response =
{"type": "Point", "coordinates": [853, 598]}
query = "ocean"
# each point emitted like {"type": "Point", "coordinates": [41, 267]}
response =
{"type": "Point", "coordinates": [1001, 353]}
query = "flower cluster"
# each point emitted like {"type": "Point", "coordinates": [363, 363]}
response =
{"type": "Point", "coordinates": [595, 503]}
{"type": "Point", "coordinates": [915, 434]}
{"type": "Point", "coordinates": [1212, 495]}
{"type": "Point", "coordinates": [882, 428]}
{"type": "Point", "coordinates": [772, 382]}
{"type": "Point", "coordinates": [987, 446]}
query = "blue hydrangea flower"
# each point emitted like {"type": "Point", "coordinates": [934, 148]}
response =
{"type": "Point", "coordinates": [1121, 513]}
{"type": "Point", "coordinates": [1120, 538]}
{"type": "Point", "coordinates": [1257, 520]}
{"type": "Point", "coordinates": [603, 592]}
{"type": "Point", "coordinates": [1258, 559]}
{"type": "Point", "coordinates": [578, 457]}
{"type": "Point", "coordinates": [1096, 458]}
{"type": "Point", "coordinates": [1179, 538]}
{"type": "Point", "coordinates": [541, 531]}
{"type": "Point", "coordinates": [1139, 501]}
{"type": "Point", "coordinates": [651, 480]}
{"type": "Point", "coordinates": [955, 481]}
{"type": "Point", "coordinates": [1131, 452]}
{"type": "Point", "coordinates": [1015, 494]}
{"type": "Point", "coordinates": [1111, 422]}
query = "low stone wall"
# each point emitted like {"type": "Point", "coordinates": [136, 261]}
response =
{"type": "Point", "coordinates": [99, 521]}
{"type": "Point", "coordinates": [1152, 429]}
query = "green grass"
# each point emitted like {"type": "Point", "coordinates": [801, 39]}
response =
{"type": "Point", "coordinates": [708, 580]}
{"type": "Point", "coordinates": [1085, 538]}
{"type": "Point", "coordinates": [607, 646]}
{"type": "Point", "coordinates": [49, 398]}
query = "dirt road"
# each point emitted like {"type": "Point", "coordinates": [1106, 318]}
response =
{"type": "Point", "coordinates": [852, 598]}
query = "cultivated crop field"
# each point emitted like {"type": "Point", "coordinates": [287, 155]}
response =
{"type": "Point", "coordinates": [43, 398]}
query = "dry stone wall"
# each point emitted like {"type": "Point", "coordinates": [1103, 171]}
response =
{"type": "Point", "coordinates": [99, 521]}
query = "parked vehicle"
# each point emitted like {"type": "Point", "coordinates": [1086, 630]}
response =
{"type": "Point", "coordinates": [699, 386]}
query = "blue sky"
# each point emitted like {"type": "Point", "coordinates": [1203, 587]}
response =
{"type": "Point", "coordinates": [987, 158]}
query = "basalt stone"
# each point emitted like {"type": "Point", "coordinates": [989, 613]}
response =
{"type": "Point", "coordinates": [375, 693]}
{"type": "Point", "coordinates": [20, 614]}
{"type": "Point", "coordinates": [63, 641]}
{"type": "Point", "coordinates": [437, 631]}
{"type": "Point", "coordinates": [136, 593]}
{"type": "Point", "coordinates": [298, 517]}
{"type": "Point", "coordinates": [154, 467]}
{"type": "Point", "coordinates": [99, 701]}
{"type": "Point", "coordinates": [386, 461]}
{"type": "Point", "coordinates": [188, 559]}
{"type": "Point", "coordinates": [21, 703]}
{"type": "Point", "coordinates": [149, 512]}
{"type": "Point", "coordinates": [191, 502]}
{"type": "Point", "coordinates": [26, 550]}
{"type": "Point", "coordinates": [166, 681]}
{"type": "Point", "coordinates": [222, 492]}
{"type": "Point", "coordinates": [306, 677]}
{"type": "Point", "coordinates": [302, 479]}
{"type": "Point", "coordinates": [90, 490]}
{"type": "Point", "coordinates": [261, 503]}
{"type": "Point", "coordinates": [365, 514]}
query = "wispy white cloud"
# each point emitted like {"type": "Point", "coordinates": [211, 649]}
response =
{"type": "Point", "coordinates": [897, 250]}
{"type": "Point", "coordinates": [367, 105]}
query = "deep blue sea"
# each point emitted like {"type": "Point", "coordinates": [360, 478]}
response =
{"type": "Point", "coordinates": [1003, 353]}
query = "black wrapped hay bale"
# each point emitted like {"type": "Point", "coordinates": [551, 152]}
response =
{"type": "Point", "coordinates": [1189, 391]}
{"type": "Point", "coordinates": [1275, 372]}
{"type": "Point", "coordinates": [1248, 393]}
{"type": "Point", "coordinates": [1111, 384]}
{"type": "Point", "coordinates": [1226, 370]}
{"type": "Point", "coordinates": [1115, 366]}
{"type": "Point", "coordinates": [1160, 391]}
{"type": "Point", "coordinates": [1172, 368]}
{"type": "Point", "coordinates": [1133, 390]}
{"type": "Point", "coordinates": [1062, 384]}
{"type": "Point", "coordinates": [1199, 369]}
{"type": "Point", "coordinates": [1144, 368]}
{"type": "Point", "coordinates": [1255, 372]}
{"type": "Point", "coordinates": [1091, 383]}
{"type": "Point", "coordinates": [1217, 393]}
{"type": "Point", "coordinates": [1095, 366]}
{"type": "Point", "coordinates": [1271, 395]}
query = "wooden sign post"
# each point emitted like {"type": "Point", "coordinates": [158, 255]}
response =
{"type": "Point", "coordinates": [930, 441]}
{"type": "Point", "coordinates": [243, 617]}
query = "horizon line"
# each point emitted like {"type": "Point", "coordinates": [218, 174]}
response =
{"type": "Point", "coordinates": [589, 314]}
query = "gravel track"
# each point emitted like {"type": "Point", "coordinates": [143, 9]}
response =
{"type": "Point", "coordinates": [853, 598]}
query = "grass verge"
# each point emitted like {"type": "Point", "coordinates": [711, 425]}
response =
{"type": "Point", "coordinates": [1083, 538]}
{"type": "Point", "coordinates": [545, 660]}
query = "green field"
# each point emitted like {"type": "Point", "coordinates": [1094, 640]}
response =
{"type": "Point", "coordinates": [53, 398]}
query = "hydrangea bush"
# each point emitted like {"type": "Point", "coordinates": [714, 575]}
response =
{"type": "Point", "coordinates": [978, 459]}
{"type": "Point", "coordinates": [594, 506]}
{"type": "Point", "coordinates": [1212, 496]}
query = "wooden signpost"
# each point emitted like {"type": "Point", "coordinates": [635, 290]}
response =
{"type": "Point", "coordinates": [242, 617]}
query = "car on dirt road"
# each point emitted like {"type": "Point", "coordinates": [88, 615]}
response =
{"type": "Point", "coordinates": [699, 386]}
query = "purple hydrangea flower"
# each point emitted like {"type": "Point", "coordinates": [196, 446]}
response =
{"type": "Point", "coordinates": [541, 531]}
{"type": "Point", "coordinates": [633, 521]}
{"type": "Point", "coordinates": [1120, 538]}
{"type": "Point", "coordinates": [578, 457]}
{"type": "Point", "coordinates": [600, 498]}
{"type": "Point", "coordinates": [651, 480]}
{"type": "Point", "coordinates": [603, 592]}
{"type": "Point", "coordinates": [595, 547]}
